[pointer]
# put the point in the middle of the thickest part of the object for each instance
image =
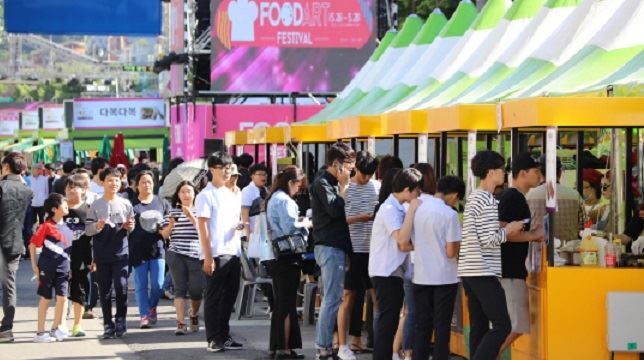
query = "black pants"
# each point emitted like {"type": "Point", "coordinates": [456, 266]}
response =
{"type": "Point", "coordinates": [486, 304]}
{"type": "Point", "coordinates": [37, 215]}
{"type": "Point", "coordinates": [355, 321]}
{"type": "Point", "coordinates": [219, 299]}
{"type": "Point", "coordinates": [92, 295]}
{"type": "Point", "coordinates": [286, 281]}
{"type": "Point", "coordinates": [389, 296]}
{"type": "Point", "coordinates": [437, 304]}
{"type": "Point", "coordinates": [113, 275]}
{"type": "Point", "coordinates": [8, 277]}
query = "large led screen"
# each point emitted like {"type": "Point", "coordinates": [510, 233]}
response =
{"type": "Point", "coordinates": [290, 45]}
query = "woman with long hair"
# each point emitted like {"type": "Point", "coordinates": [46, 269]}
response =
{"type": "Point", "coordinates": [180, 227]}
{"type": "Point", "coordinates": [147, 248]}
{"type": "Point", "coordinates": [283, 217]}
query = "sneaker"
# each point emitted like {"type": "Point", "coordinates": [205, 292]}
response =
{"type": "Point", "coordinates": [214, 347]}
{"type": "Point", "coordinates": [43, 337]}
{"type": "Point", "coordinates": [345, 353]}
{"type": "Point", "coordinates": [152, 316]}
{"type": "Point", "coordinates": [145, 322]}
{"type": "Point", "coordinates": [168, 295]}
{"type": "Point", "coordinates": [78, 331]}
{"type": "Point", "coordinates": [194, 323]}
{"type": "Point", "coordinates": [231, 344]}
{"type": "Point", "coordinates": [88, 314]}
{"type": "Point", "coordinates": [59, 334]}
{"type": "Point", "coordinates": [330, 356]}
{"type": "Point", "coordinates": [6, 336]}
{"type": "Point", "coordinates": [121, 327]}
{"type": "Point", "coordinates": [109, 332]}
{"type": "Point", "coordinates": [181, 329]}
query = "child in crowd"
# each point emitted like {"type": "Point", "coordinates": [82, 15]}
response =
{"type": "Point", "coordinates": [81, 253]}
{"type": "Point", "coordinates": [109, 220]}
{"type": "Point", "coordinates": [52, 269]}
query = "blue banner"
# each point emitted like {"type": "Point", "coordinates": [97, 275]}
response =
{"type": "Point", "coordinates": [83, 17]}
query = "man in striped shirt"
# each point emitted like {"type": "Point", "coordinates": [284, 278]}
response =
{"type": "Point", "coordinates": [479, 264]}
{"type": "Point", "coordinates": [361, 200]}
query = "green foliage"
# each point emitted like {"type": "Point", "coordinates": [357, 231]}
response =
{"type": "Point", "coordinates": [425, 7]}
{"type": "Point", "coordinates": [56, 90]}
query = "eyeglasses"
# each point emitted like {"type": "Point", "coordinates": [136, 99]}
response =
{"type": "Point", "coordinates": [227, 168]}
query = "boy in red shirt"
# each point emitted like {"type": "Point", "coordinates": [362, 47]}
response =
{"type": "Point", "coordinates": [52, 269]}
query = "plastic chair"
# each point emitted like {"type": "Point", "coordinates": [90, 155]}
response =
{"type": "Point", "coordinates": [249, 282]}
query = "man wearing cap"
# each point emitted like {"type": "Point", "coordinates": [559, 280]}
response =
{"type": "Point", "coordinates": [569, 218]}
{"type": "Point", "coordinates": [526, 174]}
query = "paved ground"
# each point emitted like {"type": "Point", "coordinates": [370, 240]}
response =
{"type": "Point", "coordinates": [158, 343]}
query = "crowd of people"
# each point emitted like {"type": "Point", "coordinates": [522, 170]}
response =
{"type": "Point", "coordinates": [377, 231]}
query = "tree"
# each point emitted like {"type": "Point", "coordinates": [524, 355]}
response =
{"type": "Point", "coordinates": [424, 8]}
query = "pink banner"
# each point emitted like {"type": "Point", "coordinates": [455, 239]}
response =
{"type": "Point", "coordinates": [188, 135]}
{"type": "Point", "coordinates": [292, 24]}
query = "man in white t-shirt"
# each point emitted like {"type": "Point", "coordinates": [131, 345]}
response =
{"type": "Point", "coordinates": [389, 256]}
{"type": "Point", "coordinates": [218, 211]}
{"type": "Point", "coordinates": [436, 238]}
{"type": "Point", "coordinates": [256, 189]}
{"type": "Point", "coordinates": [96, 185]}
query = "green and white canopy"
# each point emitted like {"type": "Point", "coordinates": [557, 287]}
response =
{"type": "Point", "coordinates": [510, 50]}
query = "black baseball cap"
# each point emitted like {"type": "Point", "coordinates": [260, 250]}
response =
{"type": "Point", "coordinates": [524, 161]}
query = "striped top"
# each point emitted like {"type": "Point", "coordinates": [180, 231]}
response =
{"type": "Point", "coordinates": [184, 238]}
{"type": "Point", "coordinates": [480, 253]}
{"type": "Point", "coordinates": [361, 199]}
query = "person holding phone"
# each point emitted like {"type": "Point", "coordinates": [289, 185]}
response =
{"type": "Point", "coordinates": [180, 227]}
{"type": "Point", "coordinates": [218, 214]}
{"type": "Point", "coordinates": [332, 240]}
{"type": "Point", "coordinates": [110, 219]}
{"type": "Point", "coordinates": [513, 206]}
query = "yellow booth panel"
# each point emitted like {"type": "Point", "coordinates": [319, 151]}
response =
{"type": "Point", "coordinates": [315, 133]}
{"type": "Point", "coordinates": [405, 122]}
{"type": "Point", "coordinates": [268, 135]}
{"type": "Point", "coordinates": [355, 127]}
{"type": "Point", "coordinates": [576, 315]}
{"type": "Point", "coordinates": [480, 117]}
{"type": "Point", "coordinates": [574, 112]}
{"type": "Point", "coordinates": [236, 138]}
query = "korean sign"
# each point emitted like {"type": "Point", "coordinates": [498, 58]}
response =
{"type": "Point", "coordinates": [119, 112]}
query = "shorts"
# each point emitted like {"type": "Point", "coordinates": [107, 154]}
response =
{"type": "Point", "coordinates": [52, 280]}
{"type": "Point", "coordinates": [79, 286]}
{"type": "Point", "coordinates": [358, 275]}
{"type": "Point", "coordinates": [516, 296]}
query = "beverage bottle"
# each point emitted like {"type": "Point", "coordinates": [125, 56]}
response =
{"type": "Point", "coordinates": [610, 255]}
{"type": "Point", "coordinates": [588, 249]}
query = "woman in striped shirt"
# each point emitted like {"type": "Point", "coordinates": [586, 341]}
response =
{"type": "Point", "coordinates": [479, 265]}
{"type": "Point", "coordinates": [180, 226]}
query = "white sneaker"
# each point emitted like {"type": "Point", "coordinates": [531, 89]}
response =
{"type": "Point", "coordinates": [43, 338]}
{"type": "Point", "coordinates": [395, 356]}
{"type": "Point", "coordinates": [58, 334]}
{"type": "Point", "coordinates": [345, 353]}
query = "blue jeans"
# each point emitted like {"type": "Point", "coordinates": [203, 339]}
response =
{"type": "Point", "coordinates": [410, 317]}
{"type": "Point", "coordinates": [147, 299]}
{"type": "Point", "coordinates": [332, 264]}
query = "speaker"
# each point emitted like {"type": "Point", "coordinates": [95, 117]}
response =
{"type": "Point", "coordinates": [213, 145]}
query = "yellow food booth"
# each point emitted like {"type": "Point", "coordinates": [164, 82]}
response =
{"type": "Point", "coordinates": [568, 304]}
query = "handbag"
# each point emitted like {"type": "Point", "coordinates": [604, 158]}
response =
{"type": "Point", "coordinates": [293, 244]}
{"type": "Point", "coordinates": [263, 238]}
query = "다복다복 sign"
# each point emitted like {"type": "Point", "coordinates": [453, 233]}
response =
{"type": "Point", "coordinates": [53, 118]}
{"type": "Point", "coordinates": [119, 113]}
{"type": "Point", "coordinates": [30, 120]}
